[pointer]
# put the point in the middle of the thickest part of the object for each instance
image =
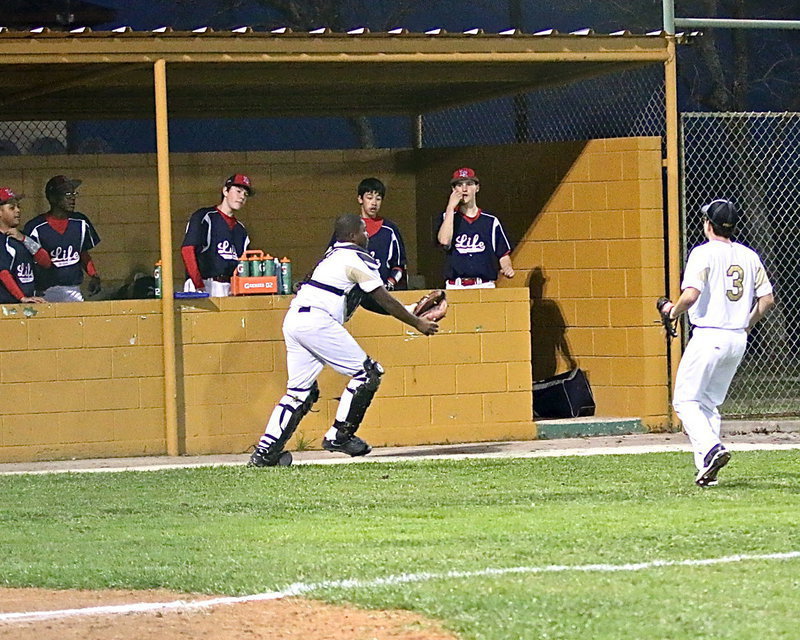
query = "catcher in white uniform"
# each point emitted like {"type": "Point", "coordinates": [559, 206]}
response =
{"type": "Point", "coordinates": [345, 278]}
{"type": "Point", "coordinates": [726, 292]}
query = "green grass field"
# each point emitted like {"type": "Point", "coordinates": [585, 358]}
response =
{"type": "Point", "coordinates": [244, 531]}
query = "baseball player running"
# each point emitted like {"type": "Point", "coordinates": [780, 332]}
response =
{"type": "Point", "coordinates": [18, 253]}
{"type": "Point", "coordinates": [347, 276]}
{"type": "Point", "coordinates": [475, 242]}
{"type": "Point", "coordinates": [215, 239]}
{"type": "Point", "coordinates": [720, 283]}
{"type": "Point", "coordinates": [67, 235]}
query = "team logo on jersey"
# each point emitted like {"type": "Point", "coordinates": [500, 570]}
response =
{"type": "Point", "coordinates": [25, 273]}
{"type": "Point", "coordinates": [227, 251]}
{"type": "Point", "coordinates": [469, 244]}
{"type": "Point", "coordinates": [65, 256]}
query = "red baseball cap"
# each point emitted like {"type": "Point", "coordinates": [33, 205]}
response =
{"type": "Point", "coordinates": [240, 180]}
{"type": "Point", "coordinates": [6, 195]}
{"type": "Point", "coordinates": [465, 173]}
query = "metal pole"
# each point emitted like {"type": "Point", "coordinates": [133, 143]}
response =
{"type": "Point", "coordinates": [730, 23]}
{"type": "Point", "coordinates": [669, 16]}
{"type": "Point", "coordinates": [418, 131]}
{"type": "Point", "coordinates": [167, 288]}
{"type": "Point", "coordinates": [674, 251]}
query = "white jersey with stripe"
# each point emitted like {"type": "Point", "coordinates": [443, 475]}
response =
{"type": "Point", "coordinates": [344, 266]}
{"type": "Point", "coordinates": [729, 277]}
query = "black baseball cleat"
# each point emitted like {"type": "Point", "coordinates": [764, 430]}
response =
{"type": "Point", "coordinates": [715, 459]}
{"type": "Point", "coordinates": [262, 457]}
{"type": "Point", "coordinates": [351, 445]}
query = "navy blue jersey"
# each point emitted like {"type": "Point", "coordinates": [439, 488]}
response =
{"type": "Point", "coordinates": [64, 248]}
{"type": "Point", "coordinates": [478, 244]}
{"type": "Point", "coordinates": [385, 245]}
{"type": "Point", "coordinates": [14, 257]}
{"type": "Point", "coordinates": [217, 246]}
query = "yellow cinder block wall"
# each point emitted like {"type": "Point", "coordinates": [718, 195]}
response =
{"type": "Point", "coordinates": [85, 380]}
{"type": "Point", "coordinates": [82, 380]}
{"type": "Point", "coordinates": [587, 221]}
{"type": "Point", "coordinates": [470, 382]}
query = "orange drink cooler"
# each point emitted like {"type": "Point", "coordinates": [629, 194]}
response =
{"type": "Point", "coordinates": [246, 284]}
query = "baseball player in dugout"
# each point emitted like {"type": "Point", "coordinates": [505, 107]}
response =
{"type": "Point", "coordinates": [477, 247]}
{"type": "Point", "coordinates": [215, 239]}
{"type": "Point", "coordinates": [346, 277]}
{"type": "Point", "coordinates": [726, 292]}
{"type": "Point", "coordinates": [18, 253]}
{"type": "Point", "coordinates": [66, 235]}
{"type": "Point", "coordinates": [385, 242]}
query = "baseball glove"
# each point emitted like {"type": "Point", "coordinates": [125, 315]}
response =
{"type": "Point", "coordinates": [432, 306]}
{"type": "Point", "coordinates": [664, 306]}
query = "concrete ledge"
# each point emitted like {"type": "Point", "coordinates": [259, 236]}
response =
{"type": "Point", "coordinates": [588, 426]}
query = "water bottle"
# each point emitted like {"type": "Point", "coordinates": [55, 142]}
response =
{"type": "Point", "coordinates": [242, 268]}
{"type": "Point", "coordinates": [258, 266]}
{"type": "Point", "coordinates": [157, 276]}
{"type": "Point", "coordinates": [286, 276]}
{"type": "Point", "coordinates": [269, 266]}
{"type": "Point", "coordinates": [277, 266]}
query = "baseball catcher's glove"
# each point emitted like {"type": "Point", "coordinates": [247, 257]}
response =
{"type": "Point", "coordinates": [664, 306]}
{"type": "Point", "coordinates": [432, 306]}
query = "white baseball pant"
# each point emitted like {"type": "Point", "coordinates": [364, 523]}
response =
{"type": "Point", "coordinates": [704, 377]}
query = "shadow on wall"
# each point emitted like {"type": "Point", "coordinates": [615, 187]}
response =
{"type": "Point", "coordinates": [548, 331]}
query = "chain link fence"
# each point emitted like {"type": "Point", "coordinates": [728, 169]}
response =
{"type": "Point", "coordinates": [627, 103]}
{"type": "Point", "coordinates": [753, 159]}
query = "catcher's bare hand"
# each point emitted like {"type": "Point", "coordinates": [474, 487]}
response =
{"type": "Point", "coordinates": [665, 307]}
{"type": "Point", "coordinates": [432, 306]}
{"type": "Point", "coordinates": [426, 327]}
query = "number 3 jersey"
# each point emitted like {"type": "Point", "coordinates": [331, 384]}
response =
{"type": "Point", "coordinates": [729, 276]}
{"type": "Point", "coordinates": [64, 240]}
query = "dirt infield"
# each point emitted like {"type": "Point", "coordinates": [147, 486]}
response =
{"type": "Point", "coordinates": [289, 619]}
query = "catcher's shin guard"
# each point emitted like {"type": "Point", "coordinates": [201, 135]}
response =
{"type": "Point", "coordinates": [285, 418]}
{"type": "Point", "coordinates": [357, 396]}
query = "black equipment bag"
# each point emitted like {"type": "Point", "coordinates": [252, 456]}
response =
{"type": "Point", "coordinates": [566, 395]}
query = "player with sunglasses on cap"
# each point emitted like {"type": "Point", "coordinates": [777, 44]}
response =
{"type": "Point", "coordinates": [66, 235]}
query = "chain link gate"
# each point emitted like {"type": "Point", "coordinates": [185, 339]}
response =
{"type": "Point", "coordinates": [753, 159]}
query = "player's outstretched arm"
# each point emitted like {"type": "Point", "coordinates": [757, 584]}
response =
{"type": "Point", "coordinates": [398, 310]}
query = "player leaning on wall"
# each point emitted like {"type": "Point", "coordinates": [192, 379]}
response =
{"type": "Point", "coordinates": [67, 235]}
{"type": "Point", "coordinates": [18, 253]}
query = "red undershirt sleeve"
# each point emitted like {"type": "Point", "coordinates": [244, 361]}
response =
{"type": "Point", "coordinates": [190, 262]}
{"type": "Point", "coordinates": [88, 265]}
{"type": "Point", "coordinates": [42, 258]}
{"type": "Point", "coordinates": [13, 288]}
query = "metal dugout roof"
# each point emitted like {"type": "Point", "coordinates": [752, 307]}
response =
{"type": "Point", "coordinates": [243, 73]}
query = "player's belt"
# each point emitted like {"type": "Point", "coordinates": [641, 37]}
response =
{"type": "Point", "coordinates": [465, 282]}
{"type": "Point", "coordinates": [221, 278]}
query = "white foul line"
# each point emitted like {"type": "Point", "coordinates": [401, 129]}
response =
{"type": "Point", "coordinates": [300, 588]}
{"type": "Point", "coordinates": [388, 457]}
